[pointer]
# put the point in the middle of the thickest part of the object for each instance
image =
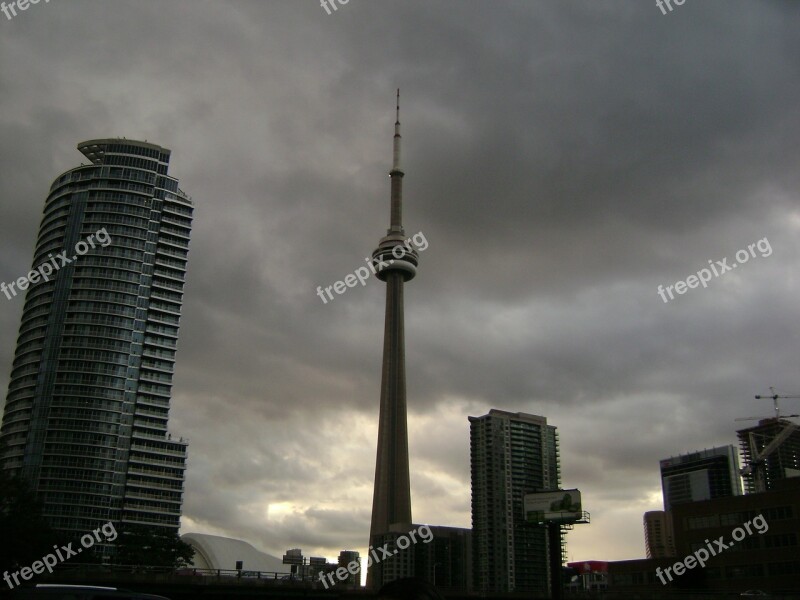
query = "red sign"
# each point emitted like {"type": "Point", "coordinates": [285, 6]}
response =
{"type": "Point", "coordinates": [589, 566]}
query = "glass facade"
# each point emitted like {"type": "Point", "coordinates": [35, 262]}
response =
{"type": "Point", "coordinates": [85, 419]}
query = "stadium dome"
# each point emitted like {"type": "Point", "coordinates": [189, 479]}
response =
{"type": "Point", "coordinates": [217, 552]}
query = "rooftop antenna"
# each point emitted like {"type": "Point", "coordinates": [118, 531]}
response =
{"type": "Point", "coordinates": [396, 161]}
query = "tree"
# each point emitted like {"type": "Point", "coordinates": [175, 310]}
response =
{"type": "Point", "coordinates": [146, 545]}
{"type": "Point", "coordinates": [25, 535]}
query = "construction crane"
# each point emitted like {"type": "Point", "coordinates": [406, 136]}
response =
{"type": "Point", "coordinates": [756, 467]}
{"type": "Point", "coordinates": [775, 398]}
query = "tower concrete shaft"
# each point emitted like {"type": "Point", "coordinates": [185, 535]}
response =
{"type": "Point", "coordinates": [391, 501]}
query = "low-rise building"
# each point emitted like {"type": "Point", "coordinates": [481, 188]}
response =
{"type": "Point", "coordinates": [752, 542]}
{"type": "Point", "coordinates": [446, 561]}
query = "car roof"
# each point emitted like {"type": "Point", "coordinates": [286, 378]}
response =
{"type": "Point", "coordinates": [49, 589]}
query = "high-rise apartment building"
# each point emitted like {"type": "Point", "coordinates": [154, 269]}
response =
{"type": "Point", "coordinates": [659, 536]}
{"type": "Point", "coordinates": [511, 454]}
{"type": "Point", "coordinates": [345, 558]}
{"type": "Point", "coordinates": [770, 452]}
{"type": "Point", "coordinates": [702, 475]}
{"type": "Point", "coordinates": [85, 420]}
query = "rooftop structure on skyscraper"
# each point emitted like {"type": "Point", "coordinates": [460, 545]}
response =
{"type": "Point", "coordinates": [702, 475]}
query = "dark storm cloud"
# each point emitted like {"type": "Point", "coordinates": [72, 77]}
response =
{"type": "Point", "coordinates": [563, 159]}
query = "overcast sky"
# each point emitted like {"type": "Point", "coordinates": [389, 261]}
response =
{"type": "Point", "coordinates": [563, 159]}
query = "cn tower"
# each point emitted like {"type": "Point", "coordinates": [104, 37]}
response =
{"type": "Point", "coordinates": [391, 500]}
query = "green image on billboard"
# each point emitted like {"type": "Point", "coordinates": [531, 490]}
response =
{"type": "Point", "coordinates": [562, 506]}
{"type": "Point", "coordinates": [566, 505]}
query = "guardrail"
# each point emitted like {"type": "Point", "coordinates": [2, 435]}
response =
{"type": "Point", "coordinates": [101, 572]}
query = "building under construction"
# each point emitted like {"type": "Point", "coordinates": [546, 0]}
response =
{"type": "Point", "coordinates": [770, 452]}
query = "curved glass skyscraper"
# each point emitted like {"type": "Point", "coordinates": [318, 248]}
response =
{"type": "Point", "coordinates": [85, 419]}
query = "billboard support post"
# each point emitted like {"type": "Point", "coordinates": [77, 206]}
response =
{"type": "Point", "coordinates": [554, 509]}
{"type": "Point", "coordinates": [556, 575]}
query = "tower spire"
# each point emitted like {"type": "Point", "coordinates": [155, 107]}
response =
{"type": "Point", "coordinates": [397, 138]}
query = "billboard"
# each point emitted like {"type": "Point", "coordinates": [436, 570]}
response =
{"type": "Point", "coordinates": [561, 506]}
{"type": "Point", "coordinates": [589, 566]}
{"type": "Point", "coordinates": [293, 557]}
